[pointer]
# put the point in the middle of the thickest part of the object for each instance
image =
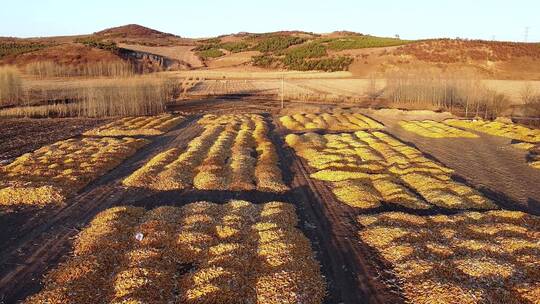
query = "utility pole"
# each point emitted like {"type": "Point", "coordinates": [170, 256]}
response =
{"type": "Point", "coordinates": [282, 89]}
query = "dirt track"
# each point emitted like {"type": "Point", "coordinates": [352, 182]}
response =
{"type": "Point", "coordinates": [355, 274]}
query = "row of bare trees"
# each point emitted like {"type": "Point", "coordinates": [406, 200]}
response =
{"type": "Point", "coordinates": [103, 97]}
{"type": "Point", "coordinates": [447, 91]}
{"type": "Point", "coordinates": [10, 85]}
{"type": "Point", "coordinates": [46, 69]}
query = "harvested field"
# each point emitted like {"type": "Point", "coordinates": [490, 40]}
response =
{"type": "Point", "coordinates": [368, 169]}
{"type": "Point", "coordinates": [232, 153]}
{"type": "Point", "coordinates": [198, 253]}
{"type": "Point", "coordinates": [508, 130]}
{"type": "Point", "coordinates": [472, 257]}
{"type": "Point", "coordinates": [137, 126]}
{"type": "Point", "coordinates": [434, 129]}
{"type": "Point", "coordinates": [234, 87]}
{"type": "Point", "coordinates": [53, 172]}
{"type": "Point", "coordinates": [329, 121]}
{"type": "Point", "coordinates": [24, 135]}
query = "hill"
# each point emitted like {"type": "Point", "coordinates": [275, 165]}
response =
{"type": "Point", "coordinates": [132, 31]}
{"type": "Point", "coordinates": [64, 54]}
{"type": "Point", "coordinates": [363, 55]}
{"type": "Point", "coordinates": [138, 34]}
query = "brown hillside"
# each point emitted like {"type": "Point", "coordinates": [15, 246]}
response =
{"type": "Point", "coordinates": [378, 61]}
{"type": "Point", "coordinates": [487, 59]}
{"type": "Point", "coordinates": [456, 50]}
{"type": "Point", "coordinates": [64, 54]}
{"type": "Point", "coordinates": [132, 31]}
{"type": "Point", "coordinates": [337, 34]}
{"type": "Point", "coordinates": [137, 34]}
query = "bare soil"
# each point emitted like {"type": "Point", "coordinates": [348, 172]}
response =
{"type": "Point", "coordinates": [23, 135]}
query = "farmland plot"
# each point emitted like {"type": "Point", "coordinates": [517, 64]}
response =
{"type": "Point", "coordinates": [368, 169]}
{"type": "Point", "coordinates": [138, 126]}
{"type": "Point", "coordinates": [232, 153]}
{"type": "Point", "coordinates": [239, 87]}
{"type": "Point", "coordinates": [508, 130]}
{"type": "Point", "coordinates": [53, 172]}
{"type": "Point", "coordinates": [434, 129]}
{"type": "Point", "coordinates": [472, 257]}
{"type": "Point", "coordinates": [199, 253]}
{"type": "Point", "coordinates": [329, 121]}
{"type": "Point", "coordinates": [224, 87]}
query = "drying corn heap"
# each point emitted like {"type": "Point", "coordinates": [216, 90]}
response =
{"type": "Point", "coordinates": [138, 126]}
{"type": "Point", "coordinates": [496, 128]}
{"type": "Point", "coordinates": [200, 253]}
{"type": "Point", "coordinates": [232, 153]}
{"type": "Point", "coordinates": [434, 129]}
{"type": "Point", "coordinates": [53, 172]}
{"type": "Point", "coordinates": [472, 257]}
{"type": "Point", "coordinates": [329, 121]}
{"type": "Point", "coordinates": [370, 168]}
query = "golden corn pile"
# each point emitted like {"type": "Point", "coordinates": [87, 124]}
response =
{"type": "Point", "coordinates": [367, 169]}
{"type": "Point", "coordinates": [138, 126]}
{"type": "Point", "coordinates": [472, 257]}
{"type": "Point", "coordinates": [225, 119]}
{"type": "Point", "coordinates": [435, 129]}
{"type": "Point", "coordinates": [53, 172]}
{"type": "Point", "coordinates": [508, 130]}
{"type": "Point", "coordinates": [232, 153]}
{"type": "Point", "coordinates": [329, 121]}
{"type": "Point", "coordinates": [200, 253]}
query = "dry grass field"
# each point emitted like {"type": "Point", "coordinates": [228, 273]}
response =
{"type": "Point", "coordinates": [338, 85]}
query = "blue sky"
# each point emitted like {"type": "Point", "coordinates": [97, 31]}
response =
{"type": "Point", "coordinates": [412, 19]}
